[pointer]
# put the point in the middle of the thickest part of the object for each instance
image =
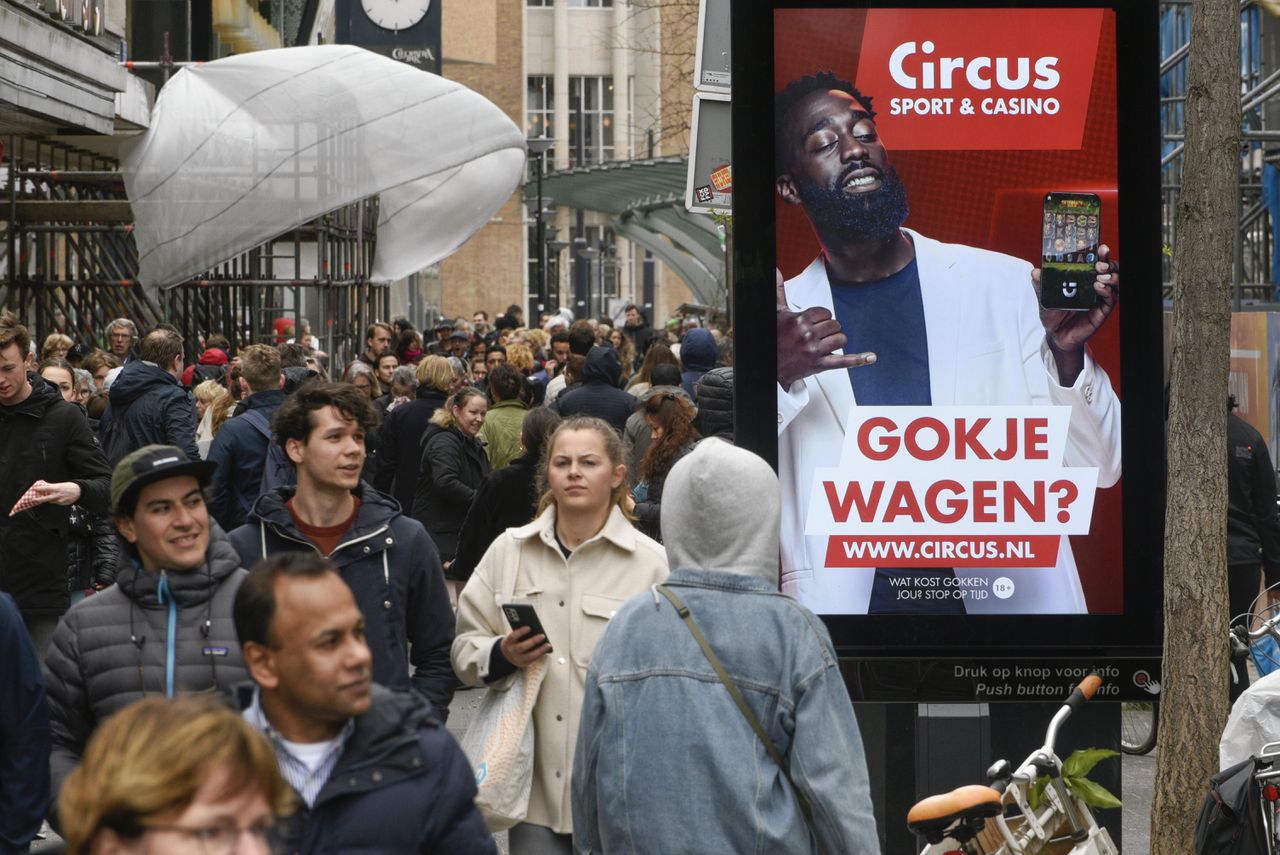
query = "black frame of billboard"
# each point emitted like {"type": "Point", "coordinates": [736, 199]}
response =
{"type": "Point", "coordinates": [1136, 632]}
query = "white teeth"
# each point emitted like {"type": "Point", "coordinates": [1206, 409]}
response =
{"type": "Point", "coordinates": [860, 182]}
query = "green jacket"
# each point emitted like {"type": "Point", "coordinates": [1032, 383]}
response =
{"type": "Point", "coordinates": [501, 432]}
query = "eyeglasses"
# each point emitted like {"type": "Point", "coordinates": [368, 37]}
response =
{"type": "Point", "coordinates": [220, 838]}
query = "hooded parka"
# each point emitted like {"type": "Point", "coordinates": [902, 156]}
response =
{"type": "Point", "coordinates": [392, 569]}
{"type": "Point", "coordinates": [153, 407]}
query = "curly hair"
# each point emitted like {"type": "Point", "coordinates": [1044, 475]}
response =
{"type": "Point", "coordinates": [215, 395]}
{"type": "Point", "coordinates": [520, 357]}
{"type": "Point", "coordinates": [795, 92]}
{"type": "Point", "coordinates": [674, 415]}
{"type": "Point", "coordinates": [293, 420]}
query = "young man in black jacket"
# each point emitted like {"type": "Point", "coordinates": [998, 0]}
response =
{"type": "Point", "coordinates": [375, 771]}
{"type": "Point", "coordinates": [50, 462]}
{"type": "Point", "coordinates": [387, 558]}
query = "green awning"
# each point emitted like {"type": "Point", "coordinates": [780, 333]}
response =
{"type": "Point", "coordinates": [645, 202]}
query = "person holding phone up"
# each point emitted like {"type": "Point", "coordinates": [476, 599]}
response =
{"type": "Point", "coordinates": [575, 564]}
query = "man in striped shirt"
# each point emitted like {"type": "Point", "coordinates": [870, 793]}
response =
{"type": "Point", "coordinates": [374, 770]}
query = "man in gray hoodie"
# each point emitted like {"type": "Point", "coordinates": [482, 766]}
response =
{"type": "Point", "coordinates": [665, 755]}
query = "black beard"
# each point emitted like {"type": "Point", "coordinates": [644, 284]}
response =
{"type": "Point", "coordinates": [836, 214]}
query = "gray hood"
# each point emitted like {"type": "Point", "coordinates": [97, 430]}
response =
{"type": "Point", "coordinates": [721, 511]}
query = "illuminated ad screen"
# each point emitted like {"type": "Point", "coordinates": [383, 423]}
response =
{"type": "Point", "coordinates": [951, 402]}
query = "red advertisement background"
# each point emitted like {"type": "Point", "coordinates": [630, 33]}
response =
{"type": "Point", "coordinates": [989, 199]}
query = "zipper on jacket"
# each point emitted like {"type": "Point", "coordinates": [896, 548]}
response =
{"type": "Point", "coordinates": [164, 592]}
{"type": "Point", "coordinates": [281, 533]}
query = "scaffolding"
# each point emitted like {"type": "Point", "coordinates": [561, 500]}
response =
{"type": "Point", "coordinates": [70, 263]}
{"type": "Point", "coordinates": [1255, 271]}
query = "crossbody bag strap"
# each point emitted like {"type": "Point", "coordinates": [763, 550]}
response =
{"type": "Point", "coordinates": [741, 702]}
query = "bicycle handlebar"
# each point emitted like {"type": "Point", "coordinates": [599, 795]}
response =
{"type": "Point", "coordinates": [1084, 691]}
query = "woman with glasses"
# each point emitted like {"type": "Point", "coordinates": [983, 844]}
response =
{"type": "Point", "coordinates": [186, 776]}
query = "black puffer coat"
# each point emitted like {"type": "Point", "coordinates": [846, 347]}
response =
{"type": "Point", "coordinates": [451, 469]}
{"type": "Point", "coordinates": [46, 438]}
{"type": "Point", "coordinates": [715, 404]}
{"type": "Point", "coordinates": [112, 649]}
{"type": "Point", "coordinates": [93, 548]}
{"type": "Point", "coordinates": [153, 407]}
{"type": "Point", "coordinates": [400, 446]}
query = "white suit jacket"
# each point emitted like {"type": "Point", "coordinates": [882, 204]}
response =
{"type": "Point", "coordinates": [986, 346]}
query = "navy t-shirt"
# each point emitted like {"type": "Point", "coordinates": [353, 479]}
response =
{"type": "Point", "coordinates": [886, 317]}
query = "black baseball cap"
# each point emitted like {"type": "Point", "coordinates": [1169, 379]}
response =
{"type": "Point", "coordinates": [150, 464]}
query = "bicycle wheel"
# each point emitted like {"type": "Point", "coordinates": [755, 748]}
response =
{"type": "Point", "coordinates": [1138, 723]}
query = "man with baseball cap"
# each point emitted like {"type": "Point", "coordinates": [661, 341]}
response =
{"type": "Point", "coordinates": [165, 627]}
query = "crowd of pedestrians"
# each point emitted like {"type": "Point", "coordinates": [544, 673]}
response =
{"type": "Point", "coordinates": [237, 597]}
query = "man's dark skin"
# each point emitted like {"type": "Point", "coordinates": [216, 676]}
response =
{"type": "Point", "coordinates": [830, 138]}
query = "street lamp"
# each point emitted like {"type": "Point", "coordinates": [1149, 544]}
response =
{"type": "Point", "coordinates": [538, 148]}
{"type": "Point", "coordinates": [588, 255]}
{"type": "Point", "coordinates": [556, 247]}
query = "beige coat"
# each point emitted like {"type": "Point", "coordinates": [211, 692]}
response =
{"type": "Point", "coordinates": [574, 599]}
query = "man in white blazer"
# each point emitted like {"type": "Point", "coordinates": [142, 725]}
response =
{"type": "Point", "coordinates": [947, 325]}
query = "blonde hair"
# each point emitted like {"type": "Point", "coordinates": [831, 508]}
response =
{"type": "Point", "coordinates": [612, 449]}
{"type": "Point", "coordinates": [434, 372]}
{"type": "Point", "coordinates": [150, 759]}
{"type": "Point", "coordinates": [216, 396]}
{"type": "Point", "coordinates": [520, 357]}
{"type": "Point", "coordinates": [55, 341]}
{"type": "Point", "coordinates": [537, 338]}
{"type": "Point", "coordinates": [443, 417]}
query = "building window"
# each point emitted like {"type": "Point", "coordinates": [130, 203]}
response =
{"type": "Point", "coordinates": [590, 120]}
{"type": "Point", "coordinates": [540, 112]}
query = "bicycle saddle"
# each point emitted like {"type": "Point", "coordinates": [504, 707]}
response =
{"type": "Point", "coordinates": [972, 804]}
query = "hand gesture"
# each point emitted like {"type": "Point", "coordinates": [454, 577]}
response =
{"type": "Point", "coordinates": [521, 651]}
{"type": "Point", "coordinates": [807, 342]}
{"type": "Point", "coordinates": [1067, 332]}
{"type": "Point", "coordinates": [42, 492]}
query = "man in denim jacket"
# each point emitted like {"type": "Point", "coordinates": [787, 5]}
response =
{"type": "Point", "coordinates": [665, 760]}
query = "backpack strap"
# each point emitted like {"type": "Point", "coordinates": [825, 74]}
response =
{"type": "Point", "coordinates": [259, 421]}
{"type": "Point", "coordinates": [681, 609]}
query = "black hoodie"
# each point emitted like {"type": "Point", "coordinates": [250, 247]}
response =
{"type": "Point", "coordinates": [44, 438]}
{"type": "Point", "coordinates": [599, 395]}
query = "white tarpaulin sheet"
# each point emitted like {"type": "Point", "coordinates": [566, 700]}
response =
{"type": "Point", "coordinates": [245, 148]}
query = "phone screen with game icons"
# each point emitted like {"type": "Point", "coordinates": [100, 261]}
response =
{"type": "Point", "coordinates": [1069, 230]}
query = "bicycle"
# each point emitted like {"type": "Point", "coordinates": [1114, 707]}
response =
{"type": "Point", "coordinates": [955, 823]}
{"type": "Point", "coordinates": [1140, 720]}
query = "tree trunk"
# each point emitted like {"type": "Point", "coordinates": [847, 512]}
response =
{"type": "Point", "coordinates": [1193, 708]}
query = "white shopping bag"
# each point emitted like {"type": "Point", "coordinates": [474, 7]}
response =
{"type": "Point", "coordinates": [499, 744]}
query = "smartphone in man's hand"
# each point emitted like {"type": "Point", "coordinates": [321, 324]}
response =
{"type": "Point", "coordinates": [1070, 232]}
